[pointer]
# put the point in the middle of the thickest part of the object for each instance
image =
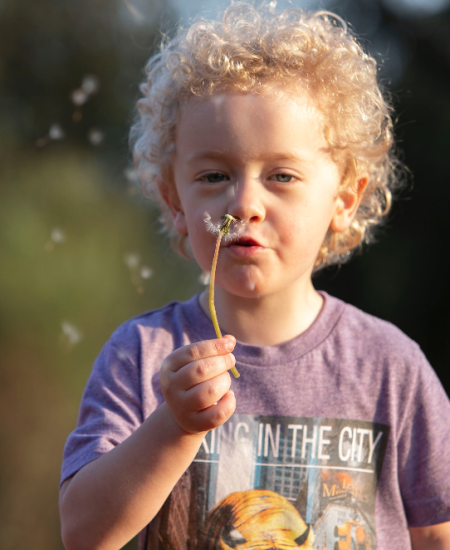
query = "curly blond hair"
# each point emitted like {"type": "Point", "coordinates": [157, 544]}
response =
{"type": "Point", "coordinates": [245, 50]}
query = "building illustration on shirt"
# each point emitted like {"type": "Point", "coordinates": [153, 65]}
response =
{"type": "Point", "coordinates": [274, 483]}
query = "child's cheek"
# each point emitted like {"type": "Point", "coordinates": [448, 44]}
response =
{"type": "Point", "coordinates": [202, 245]}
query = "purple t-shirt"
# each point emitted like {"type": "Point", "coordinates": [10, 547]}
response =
{"type": "Point", "coordinates": [341, 434]}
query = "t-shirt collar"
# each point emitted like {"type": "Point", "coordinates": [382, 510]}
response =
{"type": "Point", "coordinates": [199, 327]}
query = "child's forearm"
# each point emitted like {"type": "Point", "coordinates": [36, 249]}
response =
{"type": "Point", "coordinates": [433, 537]}
{"type": "Point", "coordinates": [112, 498]}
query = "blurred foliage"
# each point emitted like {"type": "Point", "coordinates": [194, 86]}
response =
{"type": "Point", "coordinates": [71, 219]}
{"type": "Point", "coordinates": [82, 281]}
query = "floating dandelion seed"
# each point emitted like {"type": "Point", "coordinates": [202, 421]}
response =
{"type": "Point", "coordinates": [56, 132]}
{"type": "Point", "coordinates": [132, 260]}
{"type": "Point", "coordinates": [137, 273]}
{"type": "Point", "coordinates": [121, 354]}
{"type": "Point", "coordinates": [251, 285]}
{"type": "Point", "coordinates": [146, 272]}
{"type": "Point", "coordinates": [224, 230]}
{"type": "Point", "coordinates": [130, 174]}
{"type": "Point", "coordinates": [90, 84]}
{"type": "Point", "coordinates": [71, 333]}
{"type": "Point", "coordinates": [79, 97]}
{"type": "Point", "coordinates": [96, 136]}
{"type": "Point", "coordinates": [57, 236]}
{"type": "Point", "coordinates": [132, 178]}
{"type": "Point", "coordinates": [138, 16]}
{"type": "Point", "coordinates": [204, 278]}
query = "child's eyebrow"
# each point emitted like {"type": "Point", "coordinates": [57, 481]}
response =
{"type": "Point", "coordinates": [286, 155]}
{"type": "Point", "coordinates": [292, 155]}
{"type": "Point", "coordinates": [212, 155]}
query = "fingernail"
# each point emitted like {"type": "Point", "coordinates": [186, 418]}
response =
{"type": "Point", "coordinates": [229, 344]}
{"type": "Point", "coordinates": [231, 391]}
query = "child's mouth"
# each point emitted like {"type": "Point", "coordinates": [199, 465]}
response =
{"type": "Point", "coordinates": [246, 242]}
{"type": "Point", "coordinates": [245, 247]}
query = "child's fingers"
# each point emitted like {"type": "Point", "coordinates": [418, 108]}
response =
{"type": "Point", "coordinates": [215, 415]}
{"type": "Point", "coordinates": [194, 379]}
{"type": "Point", "coordinates": [204, 395]}
{"type": "Point", "coordinates": [199, 350]}
{"type": "Point", "coordinates": [204, 369]}
{"type": "Point", "coordinates": [209, 418]}
{"type": "Point", "coordinates": [205, 406]}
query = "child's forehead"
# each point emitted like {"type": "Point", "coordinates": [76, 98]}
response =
{"type": "Point", "coordinates": [283, 97]}
{"type": "Point", "coordinates": [250, 127]}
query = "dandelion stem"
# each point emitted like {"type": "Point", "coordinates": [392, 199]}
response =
{"type": "Point", "coordinates": [212, 309]}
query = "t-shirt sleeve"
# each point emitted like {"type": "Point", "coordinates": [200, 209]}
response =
{"type": "Point", "coordinates": [110, 409]}
{"type": "Point", "coordinates": [424, 450]}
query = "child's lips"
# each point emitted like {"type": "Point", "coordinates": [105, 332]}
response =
{"type": "Point", "coordinates": [245, 247]}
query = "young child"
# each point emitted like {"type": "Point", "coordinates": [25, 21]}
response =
{"type": "Point", "coordinates": [337, 433]}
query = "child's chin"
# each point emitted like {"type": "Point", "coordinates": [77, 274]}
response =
{"type": "Point", "coordinates": [246, 289]}
{"type": "Point", "coordinates": [242, 281]}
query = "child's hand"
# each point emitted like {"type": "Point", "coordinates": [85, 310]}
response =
{"type": "Point", "coordinates": [195, 383]}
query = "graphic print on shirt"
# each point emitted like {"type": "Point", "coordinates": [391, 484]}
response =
{"type": "Point", "coordinates": [277, 483]}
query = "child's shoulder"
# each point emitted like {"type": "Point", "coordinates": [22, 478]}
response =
{"type": "Point", "coordinates": [160, 318]}
{"type": "Point", "coordinates": [151, 318]}
{"type": "Point", "coordinates": [169, 326]}
{"type": "Point", "coordinates": [375, 337]}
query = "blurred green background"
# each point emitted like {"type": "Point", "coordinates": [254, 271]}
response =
{"type": "Point", "coordinates": [81, 252]}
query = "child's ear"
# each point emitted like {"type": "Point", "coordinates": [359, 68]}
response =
{"type": "Point", "coordinates": [170, 196]}
{"type": "Point", "coordinates": [347, 203]}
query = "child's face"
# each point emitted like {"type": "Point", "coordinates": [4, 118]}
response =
{"type": "Point", "coordinates": [265, 161]}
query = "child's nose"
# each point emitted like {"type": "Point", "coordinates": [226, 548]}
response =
{"type": "Point", "coordinates": [245, 200]}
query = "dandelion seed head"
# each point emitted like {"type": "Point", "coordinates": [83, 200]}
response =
{"type": "Point", "coordinates": [213, 228]}
{"type": "Point", "coordinates": [233, 230]}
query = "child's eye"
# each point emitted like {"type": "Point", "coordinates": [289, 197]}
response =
{"type": "Point", "coordinates": [282, 178]}
{"type": "Point", "coordinates": [214, 177]}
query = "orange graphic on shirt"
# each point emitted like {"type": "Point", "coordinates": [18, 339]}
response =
{"type": "Point", "coordinates": [255, 520]}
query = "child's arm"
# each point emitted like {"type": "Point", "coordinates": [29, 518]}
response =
{"type": "Point", "coordinates": [434, 537]}
{"type": "Point", "coordinates": [115, 496]}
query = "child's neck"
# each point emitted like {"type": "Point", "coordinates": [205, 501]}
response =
{"type": "Point", "coordinates": [266, 321]}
